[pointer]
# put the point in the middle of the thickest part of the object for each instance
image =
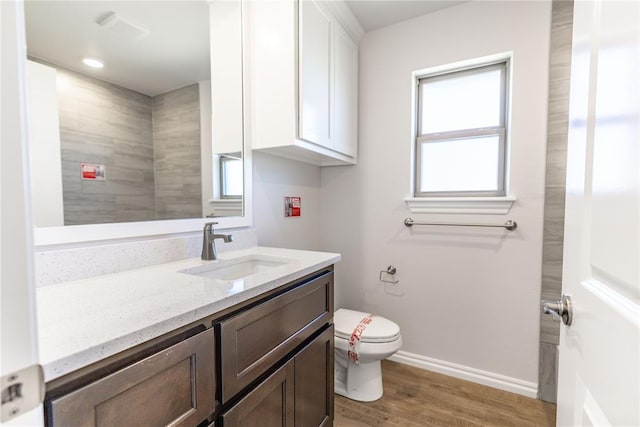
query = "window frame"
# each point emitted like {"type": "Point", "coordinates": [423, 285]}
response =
{"type": "Point", "coordinates": [223, 158]}
{"type": "Point", "coordinates": [501, 130]}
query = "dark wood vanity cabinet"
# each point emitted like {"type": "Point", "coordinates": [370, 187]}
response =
{"type": "Point", "coordinates": [270, 403]}
{"type": "Point", "coordinates": [313, 366]}
{"type": "Point", "coordinates": [254, 340]}
{"type": "Point", "coordinates": [265, 362]}
{"type": "Point", "coordinates": [173, 387]}
{"type": "Point", "coordinates": [292, 332]}
{"type": "Point", "coordinates": [299, 393]}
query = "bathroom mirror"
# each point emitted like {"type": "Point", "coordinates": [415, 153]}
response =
{"type": "Point", "coordinates": [136, 114]}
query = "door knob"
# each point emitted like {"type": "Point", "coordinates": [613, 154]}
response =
{"type": "Point", "coordinates": [559, 310]}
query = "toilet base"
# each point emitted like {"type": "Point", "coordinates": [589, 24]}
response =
{"type": "Point", "coordinates": [361, 382]}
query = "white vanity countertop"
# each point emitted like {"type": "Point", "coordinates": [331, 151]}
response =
{"type": "Point", "coordinates": [84, 321]}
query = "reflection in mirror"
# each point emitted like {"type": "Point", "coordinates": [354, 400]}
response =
{"type": "Point", "coordinates": [129, 136]}
{"type": "Point", "coordinates": [230, 175]}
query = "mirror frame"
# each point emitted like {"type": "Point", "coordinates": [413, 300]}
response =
{"type": "Point", "coordinates": [78, 234]}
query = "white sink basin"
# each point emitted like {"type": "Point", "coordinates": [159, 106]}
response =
{"type": "Point", "coordinates": [239, 268]}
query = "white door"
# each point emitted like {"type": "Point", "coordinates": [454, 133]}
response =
{"type": "Point", "coordinates": [599, 366]}
{"type": "Point", "coordinates": [19, 336]}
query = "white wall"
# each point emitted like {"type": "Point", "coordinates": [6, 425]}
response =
{"type": "Point", "coordinates": [469, 296]}
{"type": "Point", "coordinates": [273, 179]}
{"type": "Point", "coordinates": [44, 134]}
{"type": "Point", "coordinates": [206, 149]}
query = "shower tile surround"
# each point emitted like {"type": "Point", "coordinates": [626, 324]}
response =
{"type": "Point", "coordinates": [105, 124]}
{"type": "Point", "coordinates": [557, 132]}
{"type": "Point", "coordinates": [176, 153]}
{"type": "Point", "coordinates": [54, 266]}
{"type": "Point", "coordinates": [149, 146]}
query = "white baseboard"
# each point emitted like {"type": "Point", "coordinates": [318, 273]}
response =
{"type": "Point", "coordinates": [502, 382]}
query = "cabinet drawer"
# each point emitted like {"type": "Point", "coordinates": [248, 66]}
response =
{"type": "Point", "coordinates": [173, 387]}
{"type": "Point", "coordinates": [254, 340]}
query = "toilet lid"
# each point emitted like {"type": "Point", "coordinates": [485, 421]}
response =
{"type": "Point", "coordinates": [379, 330]}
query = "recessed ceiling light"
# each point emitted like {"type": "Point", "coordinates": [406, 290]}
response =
{"type": "Point", "coordinates": [93, 62]}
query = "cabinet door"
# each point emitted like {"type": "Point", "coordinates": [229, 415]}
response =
{"type": "Point", "coordinates": [344, 132]}
{"type": "Point", "coordinates": [227, 130]}
{"type": "Point", "coordinates": [314, 382]}
{"type": "Point", "coordinates": [314, 73]}
{"type": "Point", "coordinates": [173, 387]}
{"type": "Point", "coordinates": [269, 404]}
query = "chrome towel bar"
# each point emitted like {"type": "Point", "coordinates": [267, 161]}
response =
{"type": "Point", "coordinates": [509, 224]}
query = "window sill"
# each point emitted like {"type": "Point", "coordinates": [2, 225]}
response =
{"type": "Point", "coordinates": [224, 207]}
{"type": "Point", "coordinates": [461, 205]}
{"type": "Point", "coordinates": [226, 201]}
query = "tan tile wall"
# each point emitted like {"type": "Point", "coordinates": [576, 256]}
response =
{"type": "Point", "coordinates": [150, 147]}
{"type": "Point", "coordinates": [176, 135]}
{"type": "Point", "coordinates": [109, 125]}
{"type": "Point", "coordinates": [557, 132]}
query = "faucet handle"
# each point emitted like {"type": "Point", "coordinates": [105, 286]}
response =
{"type": "Point", "coordinates": [209, 225]}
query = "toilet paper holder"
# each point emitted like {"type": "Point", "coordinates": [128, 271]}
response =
{"type": "Point", "coordinates": [391, 270]}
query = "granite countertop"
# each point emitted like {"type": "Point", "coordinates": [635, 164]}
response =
{"type": "Point", "coordinates": [84, 321]}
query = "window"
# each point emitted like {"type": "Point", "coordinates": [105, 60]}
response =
{"type": "Point", "coordinates": [461, 131]}
{"type": "Point", "coordinates": [230, 176]}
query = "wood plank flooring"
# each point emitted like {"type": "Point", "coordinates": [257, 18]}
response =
{"type": "Point", "coordinates": [415, 397]}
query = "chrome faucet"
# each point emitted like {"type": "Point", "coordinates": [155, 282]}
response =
{"type": "Point", "coordinates": [209, 252]}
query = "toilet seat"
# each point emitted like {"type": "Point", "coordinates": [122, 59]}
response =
{"type": "Point", "coordinates": [380, 330]}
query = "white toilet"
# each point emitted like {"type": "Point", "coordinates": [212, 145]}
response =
{"type": "Point", "coordinates": [379, 339]}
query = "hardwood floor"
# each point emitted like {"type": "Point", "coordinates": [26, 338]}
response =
{"type": "Point", "coordinates": [415, 397]}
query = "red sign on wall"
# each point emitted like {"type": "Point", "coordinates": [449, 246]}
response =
{"type": "Point", "coordinates": [292, 206]}
{"type": "Point", "coordinates": [93, 172]}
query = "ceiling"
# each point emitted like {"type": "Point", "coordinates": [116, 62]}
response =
{"type": "Point", "coordinates": [374, 14]}
{"type": "Point", "coordinates": [157, 46]}
{"type": "Point", "coordinates": [152, 48]}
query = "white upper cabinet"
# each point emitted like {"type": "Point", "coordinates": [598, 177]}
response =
{"type": "Point", "coordinates": [344, 118]}
{"type": "Point", "coordinates": [226, 76]}
{"type": "Point", "coordinates": [314, 74]}
{"type": "Point", "coordinates": [302, 80]}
